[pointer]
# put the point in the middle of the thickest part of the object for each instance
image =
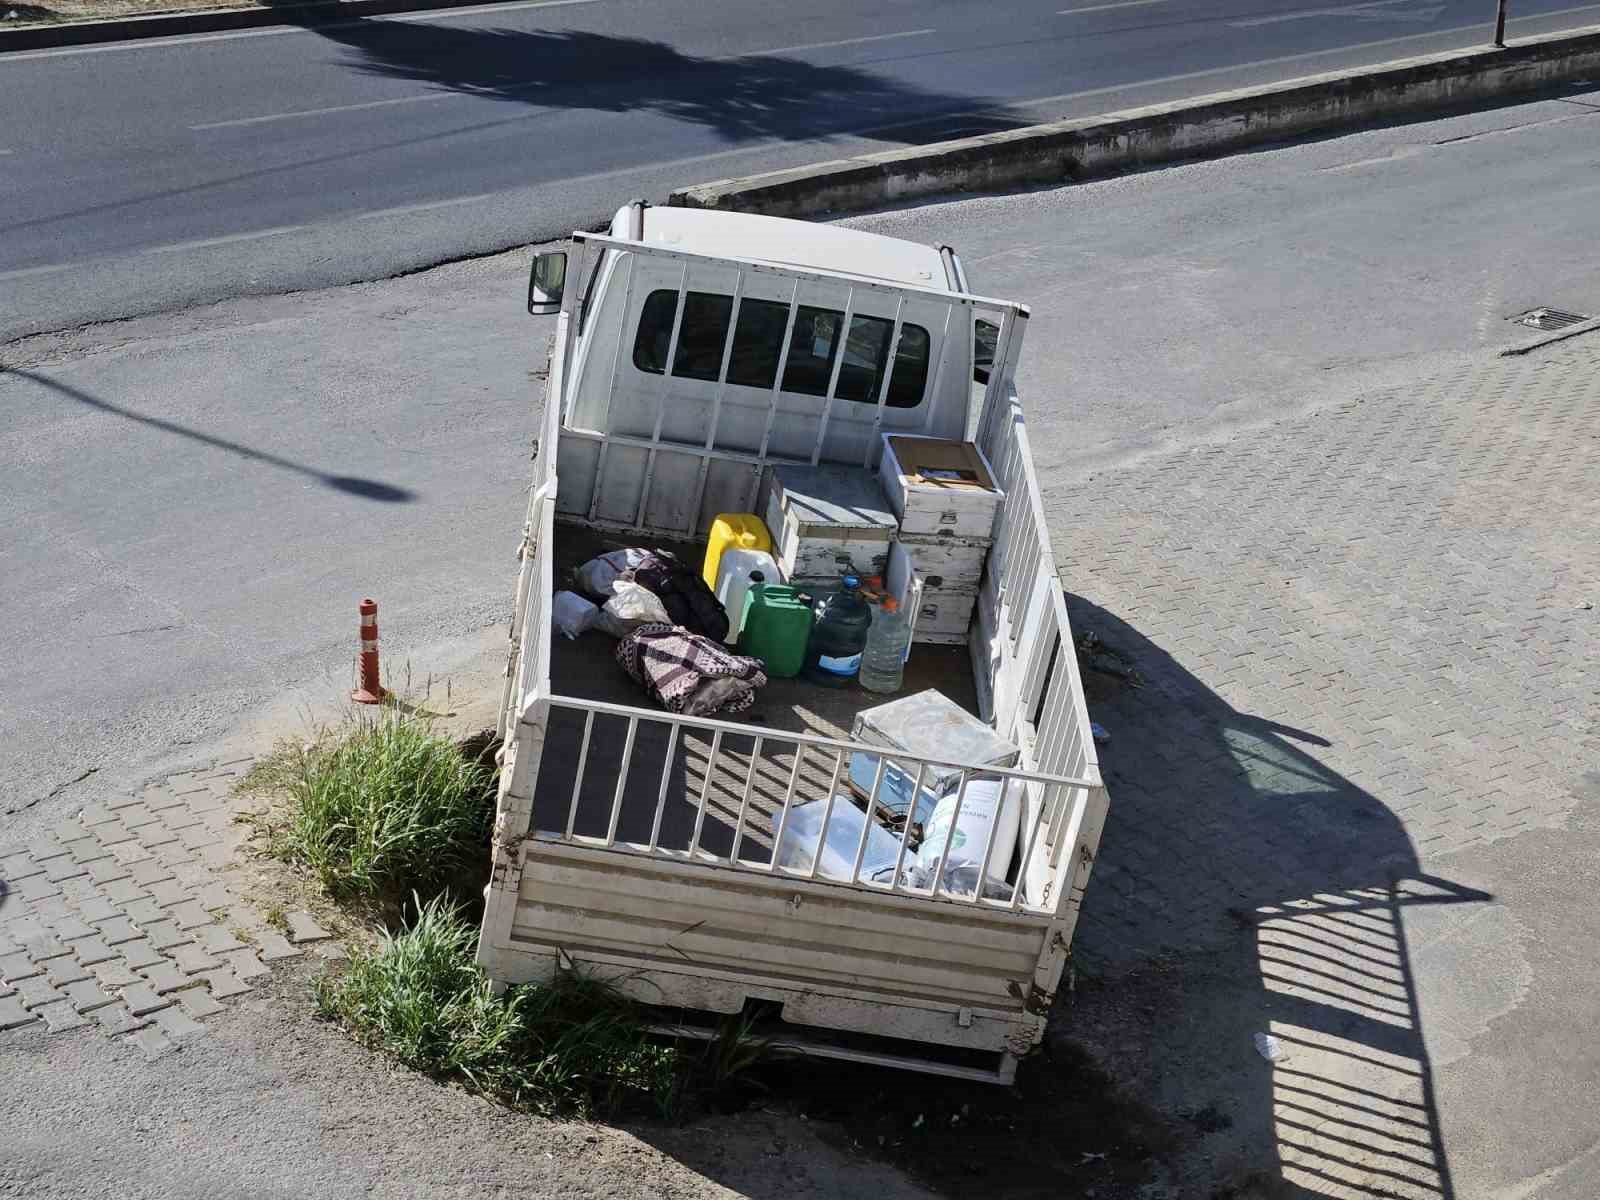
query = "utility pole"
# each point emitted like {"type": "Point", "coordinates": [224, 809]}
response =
{"type": "Point", "coordinates": [1500, 24]}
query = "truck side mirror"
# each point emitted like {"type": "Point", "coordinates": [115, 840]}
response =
{"type": "Point", "coordinates": [546, 283]}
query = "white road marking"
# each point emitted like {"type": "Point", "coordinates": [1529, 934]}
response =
{"type": "Point", "coordinates": [25, 271]}
{"type": "Point", "coordinates": [1072, 12]}
{"type": "Point", "coordinates": [430, 97]}
{"type": "Point", "coordinates": [201, 243]}
{"type": "Point", "coordinates": [1381, 10]}
{"type": "Point", "coordinates": [445, 14]}
{"type": "Point", "coordinates": [402, 209]}
{"type": "Point", "coordinates": [690, 160]}
{"type": "Point", "coordinates": [189, 39]}
{"type": "Point", "coordinates": [857, 41]}
{"type": "Point", "coordinates": [336, 108]}
{"type": "Point", "coordinates": [1398, 154]}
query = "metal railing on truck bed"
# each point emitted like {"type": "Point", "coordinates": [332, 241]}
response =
{"type": "Point", "coordinates": [1022, 641]}
{"type": "Point", "coordinates": [737, 787]}
{"type": "Point", "coordinates": [652, 880]}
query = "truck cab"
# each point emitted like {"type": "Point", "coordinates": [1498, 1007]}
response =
{"type": "Point", "coordinates": [832, 332]}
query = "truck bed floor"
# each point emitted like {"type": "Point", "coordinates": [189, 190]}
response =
{"type": "Point", "coordinates": [586, 669]}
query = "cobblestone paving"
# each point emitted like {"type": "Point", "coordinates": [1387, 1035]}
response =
{"type": "Point", "coordinates": [1367, 638]}
{"type": "Point", "coordinates": [1364, 637]}
{"type": "Point", "coordinates": [125, 919]}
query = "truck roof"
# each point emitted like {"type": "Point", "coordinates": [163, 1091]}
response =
{"type": "Point", "coordinates": [784, 242]}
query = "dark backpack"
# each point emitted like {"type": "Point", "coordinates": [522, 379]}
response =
{"type": "Point", "coordinates": [685, 596]}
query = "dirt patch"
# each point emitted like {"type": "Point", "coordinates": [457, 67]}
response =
{"type": "Point", "coordinates": [1064, 1128]}
{"type": "Point", "coordinates": [13, 16]}
{"type": "Point", "coordinates": [27, 14]}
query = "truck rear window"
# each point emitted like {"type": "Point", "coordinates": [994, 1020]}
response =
{"type": "Point", "coordinates": [758, 340]}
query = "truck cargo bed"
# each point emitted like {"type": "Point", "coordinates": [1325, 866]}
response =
{"type": "Point", "coordinates": [586, 669]}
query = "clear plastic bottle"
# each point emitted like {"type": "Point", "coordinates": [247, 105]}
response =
{"type": "Point", "coordinates": [883, 662]}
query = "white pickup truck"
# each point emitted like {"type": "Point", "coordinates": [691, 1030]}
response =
{"type": "Point", "coordinates": [640, 845]}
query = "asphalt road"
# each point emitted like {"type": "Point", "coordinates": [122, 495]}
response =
{"type": "Point", "coordinates": [147, 176]}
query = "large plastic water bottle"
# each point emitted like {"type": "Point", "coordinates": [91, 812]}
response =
{"type": "Point", "coordinates": [883, 662]}
{"type": "Point", "coordinates": [833, 655]}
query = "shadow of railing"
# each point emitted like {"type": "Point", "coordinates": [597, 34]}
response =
{"type": "Point", "coordinates": [1230, 845]}
{"type": "Point", "coordinates": [1353, 1100]}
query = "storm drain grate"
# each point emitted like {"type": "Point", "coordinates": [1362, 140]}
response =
{"type": "Point", "coordinates": [1550, 319]}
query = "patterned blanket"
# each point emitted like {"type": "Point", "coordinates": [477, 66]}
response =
{"type": "Point", "coordinates": [687, 673]}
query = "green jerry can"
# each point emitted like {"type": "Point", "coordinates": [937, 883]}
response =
{"type": "Point", "coordinates": [777, 625]}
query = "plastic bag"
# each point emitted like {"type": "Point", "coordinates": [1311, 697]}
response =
{"type": "Point", "coordinates": [1269, 1047]}
{"type": "Point", "coordinates": [982, 820]}
{"type": "Point", "coordinates": [572, 614]}
{"type": "Point", "coordinates": [957, 880]}
{"type": "Point", "coordinates": [689, 602]}
{"type": "Point", "coordinates": [804, 829]}
{"type": "Point", "coordinates": [596, 577]}
{"type": "Point", "coordinates": [631, 605]}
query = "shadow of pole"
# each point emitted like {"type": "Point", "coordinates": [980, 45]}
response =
{"type": "Point", "coordinates": [1220, 823]}
{"type": "Point", "coordinates": [353, 485]}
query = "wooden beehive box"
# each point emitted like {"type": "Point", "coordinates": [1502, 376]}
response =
{"type": "Point", "coordinates": [942, 617]}
{"type": "Point", "coordinates": [939, 487]}
{"type": "Point", "coordinates": [828, 521]}
{"type": "Point", "coordinates": [947, 562]}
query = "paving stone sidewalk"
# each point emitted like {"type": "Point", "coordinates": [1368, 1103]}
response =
{"type": "Point", "coordinates": [1367, 640]}
{"type": "Point", "coordinates": [129, 916]}
{"type": "Point", "coordinates": [1368, 636]}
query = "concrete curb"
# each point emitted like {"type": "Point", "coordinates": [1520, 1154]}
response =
{"type": "Point", "coordinates": [1065, 151]}
{"type": "Point", "coordinates": [128, 29]}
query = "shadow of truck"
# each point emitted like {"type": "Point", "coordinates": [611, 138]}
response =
{"type": "Point", "coordinates": [1242, 888]}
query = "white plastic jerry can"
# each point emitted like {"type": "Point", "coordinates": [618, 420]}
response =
{"type": "Point", "coordinates": [734, 570]}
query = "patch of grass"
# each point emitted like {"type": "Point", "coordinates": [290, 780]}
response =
{"type": "Point", "coordinates": [735, 1050]}
{"type": "Point", "coordinates": [384, 806]}
{"type": "Point", "coordinates": [571, 1045]}
{"type": "Point", "coordinates": [277, 771]}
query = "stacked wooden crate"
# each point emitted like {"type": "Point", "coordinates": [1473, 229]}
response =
{"type": "Point", "coordinates": [827, 522]}
{"type": "Point", "coordinates": [924, 524]}
{"type": "Point", "coordinates": [944, 498]}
